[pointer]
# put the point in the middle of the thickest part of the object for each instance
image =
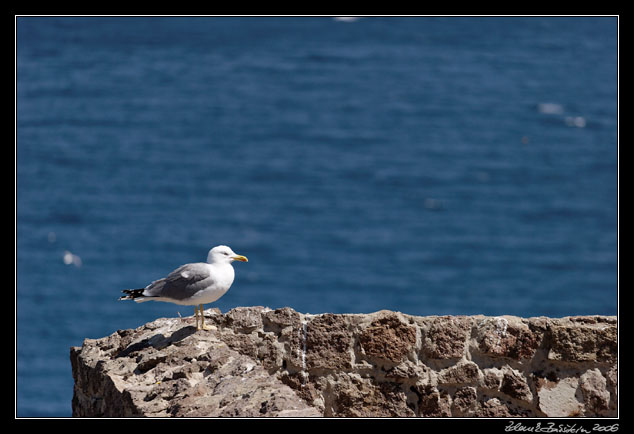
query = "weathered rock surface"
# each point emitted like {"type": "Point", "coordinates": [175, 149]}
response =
{"type": "Point", "coordinates": [262, 362]}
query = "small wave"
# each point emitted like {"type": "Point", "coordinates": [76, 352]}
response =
{"type": "Point", "coordinates": [550, 108]}
{"type": "Point", "coordinates": [575, 121]}
{"type": "Point", "coordinates": [70, 258]}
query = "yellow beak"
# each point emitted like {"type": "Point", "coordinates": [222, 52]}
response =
{"type": "Point", "coordinates": [240, 258]}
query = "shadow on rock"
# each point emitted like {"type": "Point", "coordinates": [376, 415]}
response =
{"type": "Point", "coordinates": [158, 341]}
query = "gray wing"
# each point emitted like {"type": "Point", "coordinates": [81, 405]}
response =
{"type": "Point", "coordinates": [181, 283]}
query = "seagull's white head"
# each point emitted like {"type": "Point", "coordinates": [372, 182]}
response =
{"type": "Point", "coordinates": [224, 254]}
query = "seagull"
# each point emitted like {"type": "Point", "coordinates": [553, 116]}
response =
{"type": "Point", "coordinates": [193, 284]}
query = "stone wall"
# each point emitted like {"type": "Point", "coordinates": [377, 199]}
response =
{"type": "Point", "coordinates": [263, 362]}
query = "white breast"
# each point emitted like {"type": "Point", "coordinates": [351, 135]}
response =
{"type": "Point", "coordinates": [222, 276]}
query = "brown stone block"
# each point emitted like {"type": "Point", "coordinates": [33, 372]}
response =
{"type": "Point", "coordinates": [445, 337]}
{"type": "Point", "coordinates": [387, 339]}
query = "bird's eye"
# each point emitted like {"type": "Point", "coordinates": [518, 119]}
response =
{"type": "Point", "coordinates": [225, 253]}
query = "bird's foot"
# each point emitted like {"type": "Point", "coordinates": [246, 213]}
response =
{"type": "Point", "coordinates": [206, 327]}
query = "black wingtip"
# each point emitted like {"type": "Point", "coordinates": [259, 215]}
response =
{"type": "Point", "coordinates": [132, 294]}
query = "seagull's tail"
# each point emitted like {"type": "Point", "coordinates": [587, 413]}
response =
{"type": "Point", "coordinates": [133, 294]}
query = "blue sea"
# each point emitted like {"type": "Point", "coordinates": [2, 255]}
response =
{"type": "Point", "coordinates": [427, 165]}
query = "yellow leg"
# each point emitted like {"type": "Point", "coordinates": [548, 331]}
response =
{"type": "Point", "coordinates": [202, 320]}
{"type": "Point", "coordinates": [196, 315]}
